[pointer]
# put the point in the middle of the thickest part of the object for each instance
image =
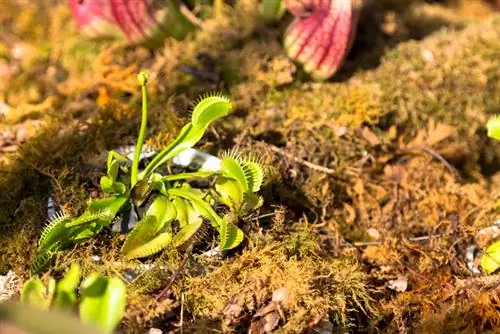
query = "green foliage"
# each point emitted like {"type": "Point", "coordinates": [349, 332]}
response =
{"type": "Point", "coordinates": [102, 300]}
{"type": "Point", "coordinates": [490, 261]}
{"type": "Point", "coordinates": [159, 200]}
{"type": "Point", "coordinates": [493, 127]}
{"type": "Point", "coordinates": [65, 298]}
{"type": "Point", "coordinates": [35, 293]}
{"type": "Point", "coordinates": [272, 10]}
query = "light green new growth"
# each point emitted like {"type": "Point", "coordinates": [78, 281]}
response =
{"type": "Point", "coordinates": [493, 127]}
{"type": "Point", "coordinates": [490, 261]}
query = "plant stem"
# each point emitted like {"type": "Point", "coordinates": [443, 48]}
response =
{"type": "Point", "coordinates": [168, 289]}
{"type": "Point", "coordinates": [143, 80]}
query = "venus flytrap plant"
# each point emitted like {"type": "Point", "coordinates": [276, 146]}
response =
{"type": "Point", "coordinates": [160, 200]}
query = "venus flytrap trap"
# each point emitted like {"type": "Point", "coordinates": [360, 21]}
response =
{"type": "Point", "coordinates": [158, 201]}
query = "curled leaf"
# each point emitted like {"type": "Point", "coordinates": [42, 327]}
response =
{"type": "Point", "coordinates": [321, 34]}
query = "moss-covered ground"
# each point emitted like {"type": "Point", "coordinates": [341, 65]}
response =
{"type": "Point", "coordinates": [381, 176]}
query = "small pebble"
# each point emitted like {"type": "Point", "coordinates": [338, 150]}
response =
{"type": "Point", "coordinates": [400, 284]}
{"type": "Point", "coordinates": [96, 258]}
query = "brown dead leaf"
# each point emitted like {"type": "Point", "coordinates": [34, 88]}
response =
{"type": "Point", "coordinates": [432, 135]}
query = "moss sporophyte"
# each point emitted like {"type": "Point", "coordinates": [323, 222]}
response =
{"type": "Point", "coordinates": [159, 200]}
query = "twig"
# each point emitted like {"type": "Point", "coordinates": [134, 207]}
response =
{"type": "Point", "coordinates": [303, 162]}
{"type": "Point", "coordinates": [377, 243]}
{"type": "Point", "coordinates": [435, 155]}
{"type": "Point", "coordinates": [483, 282]}
{"type": "Point", "coordinates": [168, 289]}
{"type": "Point", "coordinates": [265, 215]}
{"type": "Point", "coordinates": [193, 19]}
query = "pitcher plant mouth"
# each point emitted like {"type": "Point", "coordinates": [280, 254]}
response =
{"type": "Point", "coordinates": [139, 21]}
{"type": "Point", "coordinates": [321, 34]}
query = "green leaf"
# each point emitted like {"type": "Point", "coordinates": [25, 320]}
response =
{"type": "Point", "coordinates": [185, 176]}
{"type": "Point", "coordinates": [65, 298]}
{"type": "Point", "coordinates": [88, 217]}
{"type": "Point", "coordinates": [253, 201]}
{"type": "Point", "coordinates": [158, 184]}
{"type": "Point", "coordinates": [493, 127]}
{"type": "Point", "coordinates": [206, 111]}
{"type": "Point", "coordinates": [272, 10]}
{"type": "Point", "coordinates": [114, 157]}
{"type": "Point", "coordinates": [113, 204]}
{"type": "Point", "coordinates": [113, 170]}
{"type": "Point", "coordinates": [103, 302]}
{"type": "Point", "coordinates": [111, 187]}
{"type": "Point", "coordinates": [106, 184]}
{"type": "Point", "coordinates": [100, 211]}
{"type": "Point", "coordinates": [151, 234]}
{"type": "Point", "coordinates": [199, 204]}
{"type": "Point", "coordinates": [187, 232]}
{"type": "Point", "coordinates": [491, 258]}
{"type": "Point", "coordinates": [163, 209]}
{"type": "Point", "coordinates": [34, 293]}
{"type": "Point", "coordinates": [44, 258]}
{"type": "Point", "coordinates": [181, 209]}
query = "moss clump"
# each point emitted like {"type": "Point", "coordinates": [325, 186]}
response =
{"type": "Point", "coordinates": [305, 285]}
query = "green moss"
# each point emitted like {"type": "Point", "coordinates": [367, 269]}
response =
{"type": "Point", "coordinates": [311, 286]}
